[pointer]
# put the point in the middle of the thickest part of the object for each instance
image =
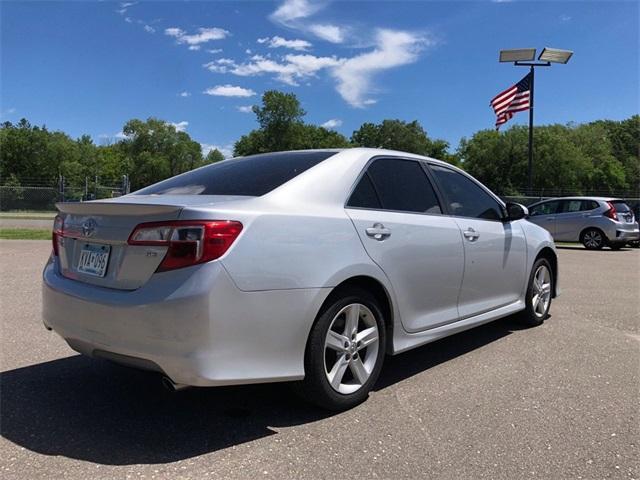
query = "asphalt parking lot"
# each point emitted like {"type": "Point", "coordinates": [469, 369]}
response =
{"type": "Point", "coordinates": [554, 402]}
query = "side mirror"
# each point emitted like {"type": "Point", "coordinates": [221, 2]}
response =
{"type": "Point", "coordinates": [515, 211]}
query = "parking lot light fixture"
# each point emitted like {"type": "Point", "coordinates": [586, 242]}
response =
{"type": "Point", "coordinates": [555, 55]}
{"type": "Point", "coordinates": [517, 55]}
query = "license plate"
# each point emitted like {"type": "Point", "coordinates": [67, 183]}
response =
{"type": "Point", "coordinates": [93, 259]}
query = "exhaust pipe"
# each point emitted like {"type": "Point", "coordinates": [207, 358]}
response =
{"type": "Point", "coordinates": [172, 386]}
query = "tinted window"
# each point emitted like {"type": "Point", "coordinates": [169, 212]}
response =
{"type": "Point", "coordinates": [621, 207]}
{"type": "Point", "coordinates": [569, 206]}
{"type": "Point", "coordinates": [546, 208]}
{"type": "Point", "coordinates": [402, 185]}
{"type": "Point", "coordinates": [251, 176]}
{"type": "Point", "coordinates": [364, 195]}
{"type": "Point", "coordinates": [465, 197]}
{"type": "Point", "coordinates": [589, 205]}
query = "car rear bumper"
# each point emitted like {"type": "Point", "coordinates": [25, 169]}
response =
{"type": "Point", "coordinates": [627, 234]}
{"type": "Point", "coordinates": [193, 325]}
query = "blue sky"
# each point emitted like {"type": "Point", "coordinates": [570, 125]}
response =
{"type": "Point", "coordinates": [87, 67]}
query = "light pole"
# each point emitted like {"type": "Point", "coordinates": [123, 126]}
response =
{"type": "Point", "coordinates": [525, 57]}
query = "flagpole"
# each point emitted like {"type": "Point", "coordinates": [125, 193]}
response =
{"type": "Point", "coordinates": [525, 57]}
{"type": "Point", "coordinates": [530, 171]}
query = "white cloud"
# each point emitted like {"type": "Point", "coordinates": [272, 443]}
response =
{"type": "Point", "coordinates": [332, 123]}
{"type": "Point", "coordinates": [290, 70]}
{"type": "Point", "coordinates": [277, 42]}
{"type": "Point", "coordinates": [180, 126]}
{"type": "Point", "coordinates": [225, 150]}
{"type": "Point", "coordinates": [128, 19]}
{"type": "Point", "coordinates": [229, 91]}
{"type": "Point", "coordinates": [291, 10]}
{"type": "Point", "coordinates": [393, 49]}
{"type": "Point", "coordinates": [245, 108]}
{"type": "Point", "coordinates": [354, 76]}
{"type": "Point", "coordinates": [149, 29]}
{"type": "Point", "coordinates": [204, 35]}
{"type": "Point", "coordinates": [330, 33]}
{"type": "Point", "coordinates": [565, 18]}
{"type": "Point", "coordinates": [214, 50]}
{"type": "Point", "coordinates": [184, 94]}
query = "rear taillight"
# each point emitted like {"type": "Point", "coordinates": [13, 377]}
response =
{"type": "Point", "coordinates": [611, 212]}
{"type": "Point", "coordinates": [56, 234]}
{"type": "Point", "coordinates": [188, 242]}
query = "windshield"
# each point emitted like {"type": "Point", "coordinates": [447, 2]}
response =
{"type": "Point", "coordinates": [250, 176]}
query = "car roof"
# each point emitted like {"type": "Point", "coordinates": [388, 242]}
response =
{"type": "Point", "coordinates": [597, 199]}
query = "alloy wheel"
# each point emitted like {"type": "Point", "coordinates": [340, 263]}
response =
{"type": "Point", "coordinates": [351, 348]}
{"type": "Point", "coordinates": [592, 239]}
{"type": "Point", "coordinates": [541, 291]}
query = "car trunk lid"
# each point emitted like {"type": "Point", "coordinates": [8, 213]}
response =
{"type": "Point", "coordinates": [94, 245]}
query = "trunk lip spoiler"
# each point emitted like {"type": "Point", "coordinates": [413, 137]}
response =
{"type": "Point", "coordinates": [116, 208]}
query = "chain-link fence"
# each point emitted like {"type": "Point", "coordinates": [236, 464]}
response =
{"type": "Point", "coordinates": [41, 195]}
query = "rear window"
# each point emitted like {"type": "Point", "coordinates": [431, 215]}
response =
{"type": "Point", "coordinates": [621, 207]}
{"type": "Point", "coordinates": [250, 176]}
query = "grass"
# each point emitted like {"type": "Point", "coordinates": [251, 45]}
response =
{"type": "Point", "coordinates": [27, 215]}
{"type": "Point", "coordinates": [25, 234]}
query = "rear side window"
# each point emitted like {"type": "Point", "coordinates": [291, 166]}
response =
{"type": "Point", "coordinates": [589, 205]}
{"type": "Point", "coordinates": [395, 184]}
{"type": "Point", "coordinates": [621, 207]}
{"type": "Point", "coordinates": [251, 176]}
{"type": "Point", "coordinates": [364, 195]}
{"type": "Point", "coordinates": [546, 208]}
{"type": "Point", "coordinates": [465, 197]}
{"type": "Point", "coordinates": [569, 206]}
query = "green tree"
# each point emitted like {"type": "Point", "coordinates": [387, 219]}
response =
{"type": "Point", "coordinates": [403, 136]}
{"type": "Point", "coordinates": [156, 150]}
{"type": "Point", "coordinates": [282, 128]}
{"type": "Point", "coordinates": [214, 156]}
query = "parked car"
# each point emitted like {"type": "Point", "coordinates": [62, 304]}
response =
{"type": "Point", "coordinates": [593, 221]}
{"type": "Point", "coordinates": [303, 266]}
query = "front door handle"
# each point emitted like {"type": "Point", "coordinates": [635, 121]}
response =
{"type": "Point", "coordinates": [470, 234]}
{"type": "Point", "coordinates": [378, 232]}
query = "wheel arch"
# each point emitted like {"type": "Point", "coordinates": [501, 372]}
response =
{"type": "Point", "coordinates": [591, 227]}
{"type": "Point", "coordinates": [550, 255]}
{"type": "Point", "coordinates": [380, 293]}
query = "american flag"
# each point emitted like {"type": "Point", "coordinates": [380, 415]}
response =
{"type": "Point", "coordinates": [513, 99]}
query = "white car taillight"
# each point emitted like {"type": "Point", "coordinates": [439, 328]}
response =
{"type": "Point", "coordinates": [188, 242]}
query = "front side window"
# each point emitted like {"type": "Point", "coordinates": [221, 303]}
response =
{"type": "Point", "coordinates": [465, 197]}
{"type": "Point", "coordinates": [546, 208]}
{"type": "Point", "coordinates": [395, 184]}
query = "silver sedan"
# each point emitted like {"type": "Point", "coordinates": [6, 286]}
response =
{"type": "Point", "coordinates": [306, 266]}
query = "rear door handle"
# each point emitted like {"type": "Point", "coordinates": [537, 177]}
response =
{"type": "Point", "coordinates": [471, 234]}
{"type": "Point", "coordinates": [378, 232]}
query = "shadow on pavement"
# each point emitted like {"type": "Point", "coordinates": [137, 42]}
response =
{"type": "Point", "coordinates": [99, 412]}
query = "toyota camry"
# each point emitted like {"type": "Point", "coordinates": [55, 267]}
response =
{"type": "Point", "coordinates": [307, 266]}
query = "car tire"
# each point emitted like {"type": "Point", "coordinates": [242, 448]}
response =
{"type": "Point", "coordinates": [539, 294]}
{"type": "Point", "coordinates": [593, 239]}
{"type": "Point", "coordinates": [340, 367]}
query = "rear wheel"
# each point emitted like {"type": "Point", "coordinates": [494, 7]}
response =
{"type": "Point", "coordinates": [593, 239]}
{"type": "Point", "coordinates": [539, 292]}
{"type": "Point", "coordinates": [345, 351]}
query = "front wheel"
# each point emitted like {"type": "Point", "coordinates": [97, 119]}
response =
{"type": "Point", "coordinates": [539, 294]}
{"type": "Point", "coordinates": [593, 239]}
{"type": "Point", "coordinates": [345, 351]}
